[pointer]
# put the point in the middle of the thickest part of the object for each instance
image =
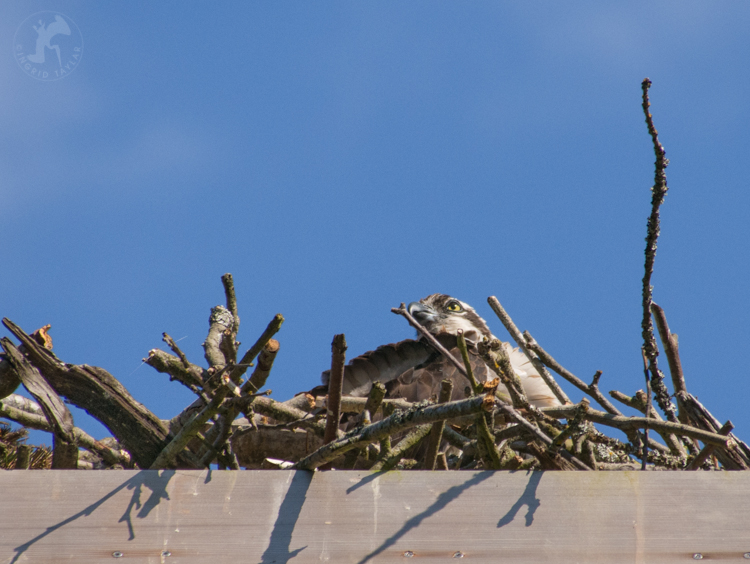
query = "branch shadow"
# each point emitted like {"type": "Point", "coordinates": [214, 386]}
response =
{"type": "Point", "coordinates": [442, 500]}
{"type": "Point", "coordinates": [289, 511]}
{"type": "Point", "coordinates": [529, 498]}
{"type": "Point", "coordinates": [156, 481]}
{"type": "Point", "coordinates": [364, 481]}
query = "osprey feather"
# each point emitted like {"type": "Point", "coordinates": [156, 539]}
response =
{"type": "Point", "coordinates": [413, 370]}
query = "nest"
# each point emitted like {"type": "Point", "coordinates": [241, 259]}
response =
{"type": "Point", "coordinates": [234, 425]}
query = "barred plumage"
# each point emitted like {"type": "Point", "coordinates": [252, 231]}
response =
{"type": "Point", "coordinates": [413, 370]}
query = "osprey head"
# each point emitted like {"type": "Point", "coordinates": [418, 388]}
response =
{"type": "Point", "coordinates": [439, 313]}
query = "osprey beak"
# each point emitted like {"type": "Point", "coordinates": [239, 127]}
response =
{"type": "Point", "coordinates": [421, 312]}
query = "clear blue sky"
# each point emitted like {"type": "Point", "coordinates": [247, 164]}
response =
{"type": "Point", "coordinates": [340, 158]}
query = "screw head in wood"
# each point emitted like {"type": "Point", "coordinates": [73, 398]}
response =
{"type": "Point", "coordinates": [117, 554]}
{"type": "Point", "coordinates": [697, 556]}
{"type": "Point", "coordinates": [166, 553]}
{"type": "Point", "coordinates": [408, 554]}
{"type": "Point", "coordinates": [746, 556]}
{"type": "Point", "coordinates": [458, 554]}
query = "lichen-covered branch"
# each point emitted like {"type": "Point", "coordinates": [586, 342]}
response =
{"type": "Point", "coordinates": [220, 320]}
{"type": "Point", "coordinates": [658, 193]}
{"type": "Point", "coordinates": [632, 423]}
{"type": "Point", "coordinates": [639, 402]}
{"type": "Point", "coordinates": [535, 432]}
{"type": "Point", "coordinates": [397, 422]}
{"type": "Point", "coordinates": [190, 429]}
{"type": "Point", "coordinates": [393, 456]}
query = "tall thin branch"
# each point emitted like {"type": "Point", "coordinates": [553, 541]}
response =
{"type": "Point", "coordinates": [658, 193]}
{"type": "Point", "coordinates": [436, 434]}
{"type": "Point", "coordinates": [228, 281]}
{"type": "Point", "coordinates": [335, 385]}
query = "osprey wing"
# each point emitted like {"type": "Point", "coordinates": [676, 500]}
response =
{"type": "Point", "coordinates": [424, 382]}
{"type": "Point", "coordinates": [384, 364]}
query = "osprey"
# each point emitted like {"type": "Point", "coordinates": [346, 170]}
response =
{"type": "Point", "coordinates": [413, 370]}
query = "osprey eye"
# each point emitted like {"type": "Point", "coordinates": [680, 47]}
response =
{"type": "Point", "coordinates": [454, 306]}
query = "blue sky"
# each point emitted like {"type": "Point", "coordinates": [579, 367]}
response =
{"type": "Point", "coordinates": [341, 158]}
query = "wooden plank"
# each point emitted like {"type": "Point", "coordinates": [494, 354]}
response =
{"type": "Point", "coordinates": [358, 517]}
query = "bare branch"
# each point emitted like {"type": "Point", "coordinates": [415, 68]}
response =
{"type": "Point", "coordinates": [192, 376]}
{"type": "Point", "coordinates": [56, 412]}
{"type": "Point", "coordinates": [476, 387]}
{"type": "Point", "coordinates": [265, 362]}
{"type": "Point", "coordinates": [708, 449]}
{"type": "Point", "coordinates": [394, 424]}
{"type": "Point", "coordinates": [64, 454]}
{"type": "Point", "coordinates": [396, 453]}
{"type": "Point", "coordinates": [91, 388]}
{"type": "Point", "coordinates": [592, 390]}
{"type": "Point", "coordinates": [190, 429]}
{"type": "Point", "coordinates": [632, 423]}
{"type": "Point", "coordinates": [38, 421]}
{"type": "Point", "coordinates": [220, 321]}
{"type": "Point", "coordinates": [335, 385]}
{"type": "Point", "coordinates": [658, 193]}
{"type": "Point", "coordinates": [247, 359]}
{"type": "Point", "coordinates": [639, 402]}
{"type": "Point", "coordinates": [350, 404]}
{"type": "Point", "coordinates": [282, 412]}
{"type": "Point", "coordinates": [436, 434]}
{"type": "Point", "coordinates": [671, 349]}
{"type": "Point", "coordinates": [228, 281]}
{"type": "Point", "coordinates": [494, 355]}
{"type": "Point", "coordinates": [374, 400]}
{"type": "Point", "coordinates": [521, 342]}
{"type": "Point", "coordinates": [514, 415]}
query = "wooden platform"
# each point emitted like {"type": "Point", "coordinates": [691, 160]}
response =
{"type": "Point", "coordinates": [357, 517]}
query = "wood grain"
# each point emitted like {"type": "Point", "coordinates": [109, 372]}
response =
{"type": "Point", "coordinates": [359, 517]}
